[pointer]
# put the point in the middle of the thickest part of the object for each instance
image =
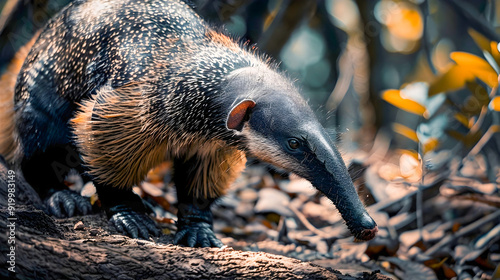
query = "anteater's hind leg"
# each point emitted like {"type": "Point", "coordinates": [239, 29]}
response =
{"type": "Point", "coordinates": [200, 180]}
{"type": "Point", "coordinates": [46, 171]}
{"type": "Point", "coordinates": [48, 157]}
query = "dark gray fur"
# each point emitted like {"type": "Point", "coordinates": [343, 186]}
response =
{"type": "Point", "coordinates": [191, 81]}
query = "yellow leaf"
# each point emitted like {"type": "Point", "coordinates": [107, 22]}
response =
{"type": "Point", "coordinates": [438, 264]}
{"type": "Point", "coordinates": [485, 44]}
{"type": "Point", "coordinates": [405, 131]}
{"type": "Point", "coordinates": [455, 78]}
{"type": "Point", "coordinates": [482, 42]}
{"type": "Point", "coordinates": [472, 139]}
{"type": "Point", "coordinates": [462, 119]}
{"type": "Point", "coordinates": [430, 145]}
{"type": "Point", "coordinates": [470, 60]}
{"type": "Point", "coordinates": [479, 67]}
{"type": "Point", "coordinates": [495, 104]}
{"type": "Point", "coordinates": [489, 77]}
{"type": "Point", "coordinates": [494, 52]}
{"type": "Point", "coordinates": [93, 199]}
{"type": "Point", "coordinates": [393, 96]}
{"type": "Point", "coordinates": [457, 135]}
{"type": "Point", "coordinates": [469, 140]}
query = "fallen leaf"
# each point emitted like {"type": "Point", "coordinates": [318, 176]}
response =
{"type": "Point", "coordinates": [151, 189]}
{"type": "Point", "coordinates": [410, 238]}
{"type": "Point", "coordinates": [412, 270]}
{"type": "Point", "coordinates": [410, 168]}
{"type": "Point", "coordinates": [88, 190]}
{"type": "Point", "coordinates": [430, 145]}
{"type": "Point", "coordinates": [272, 200]}
{"type": "Point", "coordinates": [298, 185]}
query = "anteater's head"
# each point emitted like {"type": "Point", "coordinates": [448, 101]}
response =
{"type": "Point", "coordinates": [276, 126]}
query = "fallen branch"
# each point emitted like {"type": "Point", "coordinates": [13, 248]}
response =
{"type": "Point", "coordinates": [463, 232]}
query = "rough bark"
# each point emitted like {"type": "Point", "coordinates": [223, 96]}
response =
{"type": "Point", "coordinates": [47, 249]}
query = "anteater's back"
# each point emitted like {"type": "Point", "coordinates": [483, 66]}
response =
{"type": "Point", "coordinates": [93, 43]}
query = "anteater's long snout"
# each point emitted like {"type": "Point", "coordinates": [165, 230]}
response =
{"type": "Point", "coordinates": [329, 175]}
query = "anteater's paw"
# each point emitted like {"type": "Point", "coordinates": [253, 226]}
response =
{"type": "Point", "coordinates": [68, 203]}
{"type": "Point", "coordinates": [133, 224]}
{"type": "Point", "coordinates": [197, 235]}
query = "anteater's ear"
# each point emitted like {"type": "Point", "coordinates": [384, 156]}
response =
{"type": "Point", "coordinates": [239, 114]}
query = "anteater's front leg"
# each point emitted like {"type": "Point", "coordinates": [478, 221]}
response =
{"type": "Point", "coordinates": [118, 149]}
{"type": "Point", "coordinates": [200, 180]}
{"type": "Point", "coordinates": [126, 211]}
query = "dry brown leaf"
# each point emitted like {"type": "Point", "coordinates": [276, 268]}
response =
{"type": "Point", "coordinates": [151, 189]}
{"type": "Point", "coordinates": [272, 200]}
{"type": "Point", "coordinates": [412, 270]}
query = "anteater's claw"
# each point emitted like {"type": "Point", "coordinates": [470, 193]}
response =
{"type": "Point", "coordinates": [197, 235]}
{"type": "Point", "coordinates": [135, 225]}
{"type": "Point", "coordinates": [68, 203]}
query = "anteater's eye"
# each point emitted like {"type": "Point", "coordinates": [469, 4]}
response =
{"type": "Point", "coordinates": [293, 144]}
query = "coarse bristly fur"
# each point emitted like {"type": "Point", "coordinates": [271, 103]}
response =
{"type": "Point", "coordinates": [113, 87]}
{"type": "Point", "coordinates": [9, 147]}
{"type": "Point", "coordinates": [118, 120]}
{"type": "Point", "coordinates": [138, 82]}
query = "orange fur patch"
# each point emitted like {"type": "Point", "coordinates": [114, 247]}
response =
{"type": "Point", "coordinates": [8, 140]}
{"type": "Point", "coordinates": [119, 144]}
{"type": "Point", "coordinates": [219, 167]}
{"type": "Point", "coordinates": [223, 40]}
{"type": "Point", "coordinates": [110, 135]}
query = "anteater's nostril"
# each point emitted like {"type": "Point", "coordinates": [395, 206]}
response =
{"type": "Point", "coordinates": [367, 234]}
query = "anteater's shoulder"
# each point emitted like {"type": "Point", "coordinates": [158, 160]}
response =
{"type": "Point", "coordinates": [91, 42]}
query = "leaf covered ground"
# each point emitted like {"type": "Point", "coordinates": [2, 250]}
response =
{"type": "Point", "coordinates": [447, 227]}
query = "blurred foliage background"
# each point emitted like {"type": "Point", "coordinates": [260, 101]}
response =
{"type": "Point", "coordinates": [440, 58]}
